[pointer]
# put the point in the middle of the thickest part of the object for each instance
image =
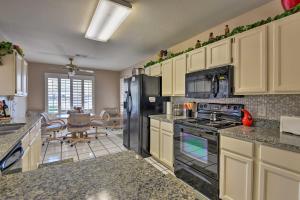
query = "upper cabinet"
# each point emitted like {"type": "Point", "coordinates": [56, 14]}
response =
{"type": "Point", "coordinates": [251, 61]}
{"type": "Point", "coordinates": [24, 78]}
{"type": "Point", "coordinates": [13, 75]}
{"type": "Point", "coordinates": [167, 77]}
{"type": "Point", "coordinates": [173, 76]}
{"type": "Point", "coordinates": [285, 51]}
{"type": "Point", "coordinates": [196, 60]}
{"type": "Point", "coordinates": [179, 71]}
{"type": "Point", "coordinates": [219, 53]}
{"type": "Point", "coordinates": [156, 70]}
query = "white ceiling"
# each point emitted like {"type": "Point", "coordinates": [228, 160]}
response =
{"type": "Point", "coordinates": [48, 30]}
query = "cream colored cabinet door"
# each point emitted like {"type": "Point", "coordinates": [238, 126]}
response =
{"type": "Point", "coordinates": [24, 78]}
{"type": "Point", "coordinates": [286, 48]}
{"type": "Point", "coordinates": [154, 142]}
{"type": "Point", "coordinates": [148, 71]}
{"type": "Point", "coordinates": [277, 184]}
{"type": "Point", "coordinates": [219, 53]}
{"type": "Point", "coordinates": [35, 153]}
{"type": "Point", "coordinates": [26, 160]}
{"type": "Point", "coordinates": [8, 75]}
{"type": "Point", "coordinates": [196, 60]}
{"type": "Point", "coordinates": [166, 148]}
{"type": "Point", "coordinates": [19, 64]}
{"type": "Point", "coordinates": [236, 179]}
{"type": "Point", "coordinates": [251, 61]}
{"type": "Point", "coordinates": [156, 70]}
{"type": "Point", "coordinates": [179, 71]}
{"type": "Point", "coordinates": [167, 77]}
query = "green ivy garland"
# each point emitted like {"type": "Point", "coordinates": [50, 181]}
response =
{"type": "Point", "coordinates": [5, 48]}
{"type": "Point", "coordinates": [235, 31]}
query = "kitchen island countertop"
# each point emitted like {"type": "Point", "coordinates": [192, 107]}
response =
{"type": "Point", "coordinates": [116, 176]}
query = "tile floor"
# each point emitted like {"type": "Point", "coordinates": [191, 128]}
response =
{"type": "Point", "coordinates": [104, 145]}
{"type": "Point", "coordinates": [55, 151]}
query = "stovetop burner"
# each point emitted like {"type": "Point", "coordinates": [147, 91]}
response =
{"type": "Point", "coordinates": [215, 124]}
{"type": "Point", "coordinates": [216, 116]}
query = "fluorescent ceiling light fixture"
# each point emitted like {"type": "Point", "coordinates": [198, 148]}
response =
{"type": "Point", "coordinates": [108, 16]}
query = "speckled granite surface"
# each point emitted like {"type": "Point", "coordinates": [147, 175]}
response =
{"type": "Point", "coordinates": [167, 118]}
{"type": "Point", "coordinates": [7, 141]}
{"type": "Point", "coordinates": [269, 136]}
{"type": "Point", "coordinates": [117, 176]}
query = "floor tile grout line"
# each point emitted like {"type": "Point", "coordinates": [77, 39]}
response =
{"type": "Point", "coordinates": [76, 152]}
{"type": "Point", "coordinates": [45, 152]}
{"type": "Point", "coordinates": [115, 144]}
{"type": "Point", "coordinates": [92, 150]}
{"type": "Point", "coordinates": [104, 147]}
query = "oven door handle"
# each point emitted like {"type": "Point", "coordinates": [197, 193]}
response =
{"type": "Point", "coordinates": [192, 171]}
{"type": "Point", "coordinates": [196, 133]}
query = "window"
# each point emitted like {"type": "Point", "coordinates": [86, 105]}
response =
{"type": "Point", "coordinates": [53, 95]}
{"type": "Point", "coordinates": [63, 93]}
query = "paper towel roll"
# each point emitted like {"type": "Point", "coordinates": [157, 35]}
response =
{"type": "Point", "coordinates": [169, 108]}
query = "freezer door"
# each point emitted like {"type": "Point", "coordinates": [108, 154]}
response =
{"type": "Point", "coordinates": [135, 114]}
{"type": "Point", "coordinates": [126, 114]}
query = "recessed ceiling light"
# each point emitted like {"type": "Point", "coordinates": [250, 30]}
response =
{"type": "Point", "coordinates": [108, 16]}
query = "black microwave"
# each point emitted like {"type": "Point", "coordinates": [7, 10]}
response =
{"type": "Point", "coordinates": [210, 83]}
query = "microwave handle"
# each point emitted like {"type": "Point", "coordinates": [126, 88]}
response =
{"type": "Point", "coordinates": [215, 85]}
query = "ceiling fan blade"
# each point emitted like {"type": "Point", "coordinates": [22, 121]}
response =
{"type": "Point", "coordinates": [87, 71]}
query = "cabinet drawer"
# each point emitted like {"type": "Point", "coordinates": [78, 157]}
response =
{"type": "Point", "coordinates": [237, 146]}
{"type": "Point", "coordinates": [167, 126]}
{"type": "Point", "coordinates": [285, 159]}
{"type": "Point", "coordinates": [155, 123]}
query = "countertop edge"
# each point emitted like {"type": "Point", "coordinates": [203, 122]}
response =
{"type": "Point", "coordinates": [19, 138]}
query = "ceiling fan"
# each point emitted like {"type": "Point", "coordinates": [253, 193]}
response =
{"type": "Point", "coordinates": [73, 69]}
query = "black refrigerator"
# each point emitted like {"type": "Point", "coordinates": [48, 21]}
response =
{"type": "Point", "coordinates": [142, 96]}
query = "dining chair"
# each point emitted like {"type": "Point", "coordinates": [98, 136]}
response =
{"type": "Point", "coordinates": [77, 126]}
{"type": "Point", "coordinates": [51, 127]}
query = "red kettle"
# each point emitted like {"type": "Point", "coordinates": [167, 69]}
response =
{"type": "Point", "coordinates": [247, 119]}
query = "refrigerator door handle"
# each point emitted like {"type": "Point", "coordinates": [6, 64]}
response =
{"type": "Point", "coordinates": [126, 102]}
{"type": "Point", "coordinates": [130, 104]}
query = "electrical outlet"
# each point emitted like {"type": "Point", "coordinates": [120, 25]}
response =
{"type": "Point", "coordinates": [262, 110]}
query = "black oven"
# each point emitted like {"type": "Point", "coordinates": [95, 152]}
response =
{"type": "Point", "coordinates": [196, 158]}
{"type": "Point", "coordinates": [210, 83]}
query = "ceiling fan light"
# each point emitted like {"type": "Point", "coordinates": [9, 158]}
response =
{"type": "Point", "coordinates": [71, 73]}
{"type": "Point", "coordinates": [108, 16]}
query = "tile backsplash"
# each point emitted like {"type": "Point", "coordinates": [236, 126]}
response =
{"type": "Point", "coordinates": [262, 106]}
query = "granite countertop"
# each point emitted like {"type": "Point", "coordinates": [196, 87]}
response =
{"type": "Point", "coordinates": [8, 141]}
{"type": "Point", "coordinates": [116, 176]}
{"type": "Point", "coordinates": [167, 118]}
{"type": "Point", "coordinates": [269, 136]}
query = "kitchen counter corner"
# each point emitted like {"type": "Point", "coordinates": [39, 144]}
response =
{"type": "Point", "coordinates": [265, 136]}
{"type": "Point", "coordinates": [8, 141]}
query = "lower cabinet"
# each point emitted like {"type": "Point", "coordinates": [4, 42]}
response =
{"type": "Point", "coordinates": [32, 144]}
{"type": "Point", "coordinates": [161, 142]}
{"type": "Point", "coordinates": [26, 160]}
{"type": "Point", "coordinates": [270, 174]}
{"type": "Point", "coordinates": [276, 183]}
{"type": "Point", "coordinates": [236, 174]}
{"type": "Point", "coordinates": [154, 142]}
{"type": "Point", "coordinates": [166, 148]}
